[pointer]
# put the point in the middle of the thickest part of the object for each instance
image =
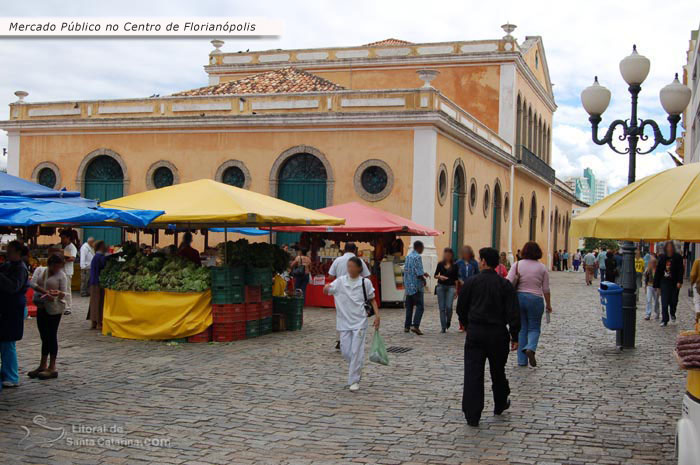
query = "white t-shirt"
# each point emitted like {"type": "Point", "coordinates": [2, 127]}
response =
{"type": "Point", "coordinates": [349, 302]}
{"type": "Point", "coordinates": [339, 267]}
{"type": "Point", "coordinates": [69, 251]}
{"type": "Point", "coordinates": [86, 256]}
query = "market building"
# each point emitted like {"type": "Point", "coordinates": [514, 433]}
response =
{"type": "Point", "coordinates": [456, 136]}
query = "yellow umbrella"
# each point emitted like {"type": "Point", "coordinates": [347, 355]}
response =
{"type": "Point", "coordinates": [207, 203]}
{"type": "Point", "coordinates": [663, 206]}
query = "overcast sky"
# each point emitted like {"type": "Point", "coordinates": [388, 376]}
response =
{"type": "Point", "coordinates": [580, 38]}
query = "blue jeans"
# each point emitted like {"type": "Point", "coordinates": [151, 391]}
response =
{"type": "Point", "coordinates": [445, 296]}
{"type": "Point", "coordinates": [415, 300]}
{"type": "Point", "coordinates": [9, 371]}
{"type": "Point", "coordinates": [531, 311]}
{"type": "Point", "coordinates": [652, 302]}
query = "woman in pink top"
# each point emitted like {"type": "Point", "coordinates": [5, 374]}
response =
{"type": "Point", "coordinates": [531, 279]}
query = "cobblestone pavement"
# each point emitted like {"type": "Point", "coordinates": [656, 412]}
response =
{"type": "Point", "coordinates": [280, 398]}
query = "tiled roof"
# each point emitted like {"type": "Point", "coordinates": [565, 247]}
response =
{"type": "Point", "coordinates": [389, 42]}
{"type": "Point", "coordinates": [284, 80]}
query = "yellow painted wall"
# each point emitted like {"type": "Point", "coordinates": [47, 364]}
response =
{"type": "Point", "coordinates": [525, 186]}
{"type": "Point", "coordinates": [474, 88]}
{"type": "Point", "coordinates": [477, 226]}
{"type": "Point", "coordinates": [199, 155]}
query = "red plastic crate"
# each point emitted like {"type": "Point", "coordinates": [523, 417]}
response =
{"type": "Point", "coordinates": [204, 336]}
{"type": "Point", "coordinates": [266, 305]}
{"type": "Point", "coordinates": [223, 337]}
{"type": "Point", "coordinates": [253, 294]}
{"type": "Point", "coordinates": [265, 313]}
{"type": "Point", "coordinates": [228, 313]}
{"type": "Point", "coordinates": [252, 312]}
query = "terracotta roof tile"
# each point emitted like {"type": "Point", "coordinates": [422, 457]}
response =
{"type": "Point", "coordinates": [284, 80]}
{"type": "Point", "coordinates": [389, 41]}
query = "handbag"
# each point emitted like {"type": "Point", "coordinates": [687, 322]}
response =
{"type": "Point", "coordinates": [52, 307]}
{"type": "Point", "coordinates": [367, 305]}
{"type": "Point", "coordinates": [516, 281]}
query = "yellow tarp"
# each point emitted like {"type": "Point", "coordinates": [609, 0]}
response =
{"type": "Point", "coordinates": [155, 315]}
{"type": "Point", "coordinates": [659, 207]}
{"type": "Point", "coordinates": [207, 203]}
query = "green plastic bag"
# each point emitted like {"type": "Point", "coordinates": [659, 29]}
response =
{"type": "Point", "coordinates": [378, 353]}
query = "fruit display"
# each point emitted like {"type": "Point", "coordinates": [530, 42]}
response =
{"type": "Point", "coordinates": [134, 271]}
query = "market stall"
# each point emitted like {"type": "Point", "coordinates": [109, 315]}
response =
{"type": "Point", "coordinates": [664, 206]}
{"type": "Point", "coordinates": [237, 294]}
{"type": "Point", "coordinates": [384, 255]}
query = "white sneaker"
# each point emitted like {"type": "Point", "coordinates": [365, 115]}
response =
{"type": "Point", "coordinates": [8, 384]}
{"type": "Point", "coordinates": [355, 387]}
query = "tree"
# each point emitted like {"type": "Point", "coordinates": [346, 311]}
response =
{"type": "Point", "coordinates": [591, 243]}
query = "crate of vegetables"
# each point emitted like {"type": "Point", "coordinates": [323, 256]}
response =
{"type": "Point", "coordinates": [265, 325]}
{"type": "Point", "coordinates": [258, 276]}
{"type": "Point", "coordinates": [252, 329]}
{"type": "Point", "coordinates": [225, 276]}
{"type": "Point", "coordinates": [227, 295]}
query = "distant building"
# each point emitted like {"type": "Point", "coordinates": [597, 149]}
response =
{"type": "Point", "coordinates": [689, 147]}
{"type": "Point", "coordinates": [587, 188]}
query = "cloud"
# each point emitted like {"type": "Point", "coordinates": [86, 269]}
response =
{"type": "Point", "coordinates": [580, 41]}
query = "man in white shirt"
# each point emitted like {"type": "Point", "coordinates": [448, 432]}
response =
{"type": "Point", "coordinates": [87, 252]}
{"type": "Point", "coordinates": [588, 266]}
{"type": "Point", "coordinates": [70, 253]}
{"type": "Point", "coordinates": [339, 268]}
{"type": "Point", "coordinates": [349, 293]}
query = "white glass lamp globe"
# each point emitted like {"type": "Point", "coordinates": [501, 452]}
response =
{"type": "Point", "coordinates": [595, 98]}
{"type": "Point", "coordinates": [674, 97]}
{"type": "Point", "coordinates": [634, 68]}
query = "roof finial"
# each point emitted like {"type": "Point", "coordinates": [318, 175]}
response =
{"type": "Point", "coordinates": [508, 27]}
{"type": "Point", "coordinates": [20, 94]}
{"type": "Point", "coordinates": [217, 43]}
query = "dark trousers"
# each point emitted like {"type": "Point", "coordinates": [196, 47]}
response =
{"type": "Point", "coordinates": [484, 342]}
{"type": "Point", "coordinates": [300, 282]}
{"type": "Point", "coordinates": [566, 264]}
{"type": "Point", "coordinates": [48, 331]}
{"type": "Point", "coordinates": [413, 319]}
{"type": "Point", "coordinates": [669, 299]}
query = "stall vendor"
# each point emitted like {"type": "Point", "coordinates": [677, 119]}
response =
{"type": "Point", "coordinates": [396, 248]}
{"type": "Point", "coordinates": [187, 251]}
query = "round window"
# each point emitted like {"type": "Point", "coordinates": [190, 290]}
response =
{"type": "Point", "coordinates": [472, 195]}
{"type": "Point", "coordinates": [233, 176]}
{"type": "Point", "coordinates": [163, 177]}
{"type": "Point", "coordinates": [47, 177]}
{"type": "Point", "coordinates": [442, 185]}
{"type": "Point", "coordinates": [374, 179]}
{"type": "Point", "coordinates": [542, 219]}
{"type": "Point", "coordinates": [487, 199]}
{"type": "Point", "coordinates": [521, 211]}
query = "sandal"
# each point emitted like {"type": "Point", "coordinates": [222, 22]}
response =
{"type": "Point", "coordinates": [34, 373]}
{"type": "Point", "coordinates": [46, 374]}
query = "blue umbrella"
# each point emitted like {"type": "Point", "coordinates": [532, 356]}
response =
{"type": "Point", "coordinates": [14, 186]}
{"type": "Point", "coordinates": [25, 211]}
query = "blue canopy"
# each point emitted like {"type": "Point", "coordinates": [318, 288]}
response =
{"type": "Point", "coordinates": [244, 231]}
{"type": "Point", "coordinates": [24, 211]}
{"type": "Point", "coordinates": [14, 186]}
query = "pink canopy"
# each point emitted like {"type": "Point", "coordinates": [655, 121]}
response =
{"type": "Point", "coordinates": [361, 218]}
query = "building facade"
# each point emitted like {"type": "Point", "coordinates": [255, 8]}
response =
{"type": "Point", "coordinates": [587, 188]}
{"type": "Point", "coordinates": [690, 148]}
{"type": "Point", "coordinates": [456, 136]}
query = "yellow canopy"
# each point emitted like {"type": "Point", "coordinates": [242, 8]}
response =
{"type": "Point", "coordinates": [663, 206]}
{"type": "Point", "coordinates": [207, 203]}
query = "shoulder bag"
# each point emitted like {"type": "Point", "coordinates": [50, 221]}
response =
{"type": "Point", "coordinates": [367, 305]}
{"type": "Point", "coordinates": [517, 276]}
{"type": "Point", "coordinates": [56, 306]}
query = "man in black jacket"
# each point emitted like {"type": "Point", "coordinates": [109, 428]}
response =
{"type": "Point", "coordinates": [669, 279]}
{"type": "Point", "coordinates": [488, 310]}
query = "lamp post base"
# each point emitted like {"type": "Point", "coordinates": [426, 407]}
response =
{"type": "Point", "coordinates": [626, 337]}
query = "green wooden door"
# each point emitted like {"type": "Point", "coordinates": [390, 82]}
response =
{"type": "Point", "coordinates": [496, 228]}
{"type": "Point", "coordinates": [104, 180]}
{"type": "Point", "coordinates": [457, 209]}
{"type": "Point", "coordinates": [302, 181]}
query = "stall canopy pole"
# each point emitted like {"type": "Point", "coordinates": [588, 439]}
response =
{"type": "Point", "coordinates": [138, 236]}
{"type": "Point", "coordinates": [225, 244]}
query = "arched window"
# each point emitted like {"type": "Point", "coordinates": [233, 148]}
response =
{"type": "Point", "coordinates": [533, 218]}
{"type": "Point", "coordinates": [457, 217]}
{"type": "Point", "coordinates": [518, 127]}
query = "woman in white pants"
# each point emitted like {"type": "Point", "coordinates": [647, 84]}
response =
{"type": "Point", "coordinates": [350, 293]}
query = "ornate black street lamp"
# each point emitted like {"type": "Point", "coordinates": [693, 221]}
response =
{"type": "Point", "coordinates": [595, 99]}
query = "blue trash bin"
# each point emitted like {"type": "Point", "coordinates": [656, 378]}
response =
{"type": "Point", "coordinates": [611, 300]}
